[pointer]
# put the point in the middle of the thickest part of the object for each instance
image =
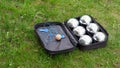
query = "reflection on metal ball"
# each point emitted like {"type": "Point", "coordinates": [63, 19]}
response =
{"type": "Point", "coordinates": [79, 31]}
{"type": "Point", "coordinates": [85, 40]}
{"type": "Point", "coordinates": [99, 36]}
{"type": "Point", "coordinates": [92, 27]}
{"type": "Point", "coordinates": [73, 22]}
{"type": "Point", "coordinates": [85, 19]}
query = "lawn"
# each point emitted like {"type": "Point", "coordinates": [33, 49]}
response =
{"type": "Point", "coordinates": [19, 45]}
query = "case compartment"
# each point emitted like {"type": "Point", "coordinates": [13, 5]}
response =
{"type": "Point", "coordinates": [94, 44]}
{"type": "Point", "coordinates": [51, 45]}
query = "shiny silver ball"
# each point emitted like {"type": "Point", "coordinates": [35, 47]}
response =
{"type": "Point", "coordinates": [99, 36]}
{"type": "Point", "coordinates": [79, 31]}
{"type": "Point", "coordinates": [73, 22]}
{"type": "Point", "coordinates": [85, 40]}
{"type": "Point", "coordinates": [92, 27]}
{"type": "Point", "coordinates": [85, 19]}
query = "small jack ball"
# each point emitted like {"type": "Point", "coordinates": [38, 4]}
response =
{"type": "Point", "coordinates": [58, 37]}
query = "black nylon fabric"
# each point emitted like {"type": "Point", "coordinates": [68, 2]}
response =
{"type": "Point", "coordinates": [49, 42]}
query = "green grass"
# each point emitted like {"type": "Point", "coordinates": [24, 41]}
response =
{"type": "Point", "coordinates": [20, 48]}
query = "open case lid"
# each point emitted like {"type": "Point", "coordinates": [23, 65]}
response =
{"type": "Point", "coordinates": [48, 38]}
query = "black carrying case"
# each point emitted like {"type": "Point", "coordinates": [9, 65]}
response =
{"type": "Point", "coordinates": [70, 42]}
